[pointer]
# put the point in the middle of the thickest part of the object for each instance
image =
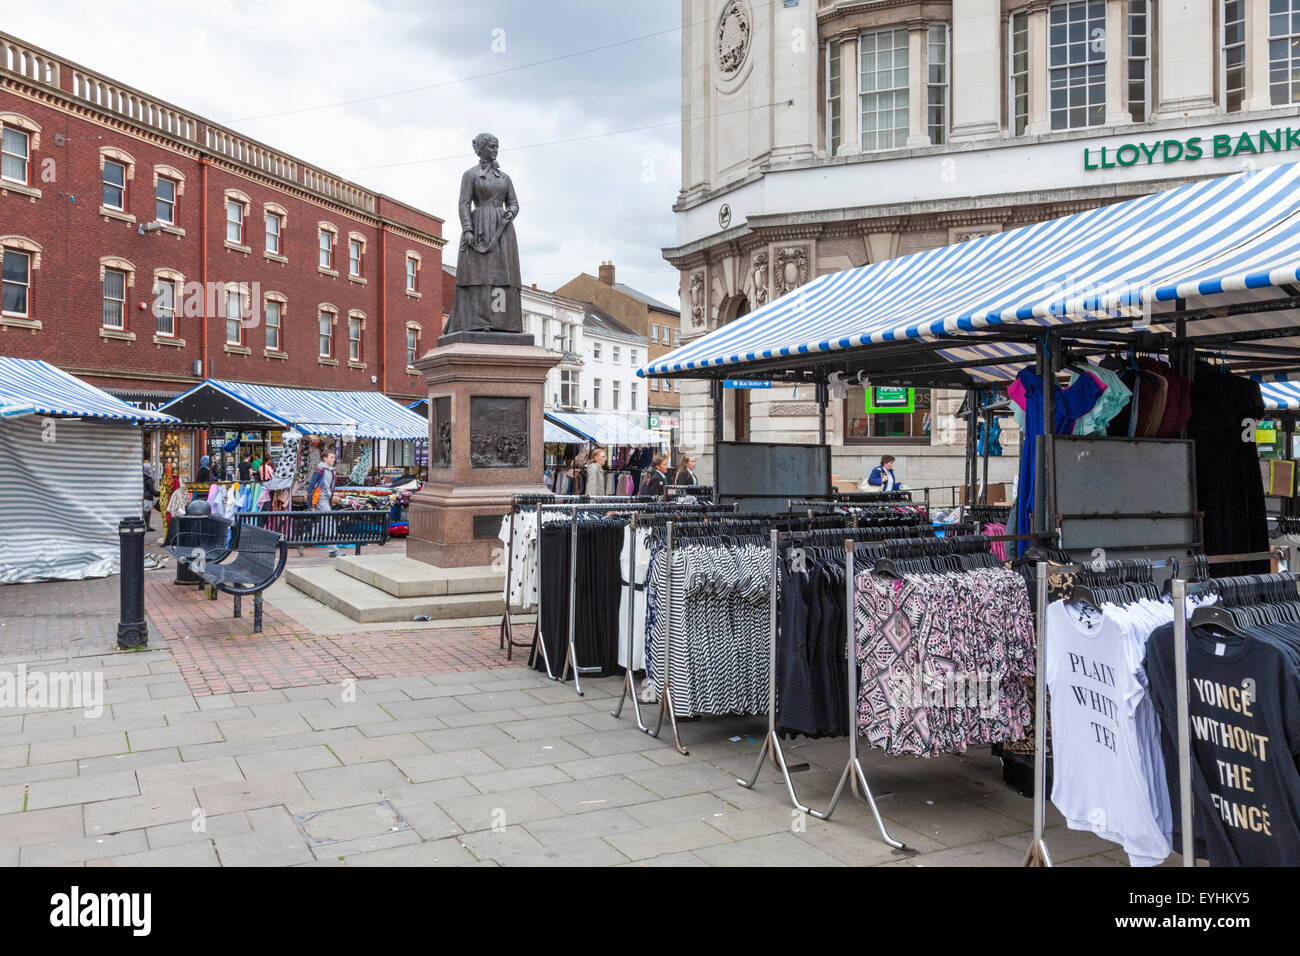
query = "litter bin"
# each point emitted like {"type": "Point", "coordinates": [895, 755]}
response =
{"type": "Point", "coordinates": [184, 575]}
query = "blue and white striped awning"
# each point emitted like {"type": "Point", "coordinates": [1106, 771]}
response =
{"type": "Point", "coordinates": [1281, 395]}
{"type": "Point", "coordinates": [29, 386]}
{"type": "Point", "coordinates": [1227, 235]}
{"type": "Point", "coordinates": [606, 429]}
{"type": "Point", "coordinates": [554, 434]}
{"type": "Point", "coordinates": [349, 414]}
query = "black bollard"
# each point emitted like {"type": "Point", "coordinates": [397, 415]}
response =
{"type": "Point", "coordinates": [132, 631]}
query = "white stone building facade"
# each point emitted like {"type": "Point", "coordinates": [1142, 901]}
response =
{"type": "Point", "coordinates": [820, 135]}
{"type": "Point", "coordinates": [556, 324]}
{"type": "Point", "coordinates": [612, 353]}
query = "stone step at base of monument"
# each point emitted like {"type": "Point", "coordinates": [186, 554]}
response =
{"type": "Point", "coordinates": [404, 577]}
{"type": "Point", "coordinates": [371, 605]}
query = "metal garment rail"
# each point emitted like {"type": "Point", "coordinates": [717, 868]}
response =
{"type": "Point", "coordinates": [605, 506]}
{"type": "Point", "coordinates": [507, 640]}
{"type": "Point", "coordinates": [1037, 854]}
{"type": "Point", "coordinates": [853, 773]}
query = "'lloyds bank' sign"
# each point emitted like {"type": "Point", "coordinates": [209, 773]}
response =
{"type": "Point", "coordinates": [1194, 147]}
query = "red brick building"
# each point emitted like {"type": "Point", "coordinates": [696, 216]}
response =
{"type": "Point", "coordinates": [144, 248]}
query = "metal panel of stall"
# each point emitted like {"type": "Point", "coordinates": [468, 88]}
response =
{"type": "Point", "coordinates": [763, 477]}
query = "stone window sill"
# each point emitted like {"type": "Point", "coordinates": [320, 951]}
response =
{"type": "Point", "coordinates": [7, 321]}
{"type": "Point", "coordinates": [238, 349]}
{"type": "Point", "coordinates": [412, 370]}
{"type": "Point", "coordinates": [109, 213]}
{"type": "Point", "coordinates": [276, 257]}
{"type": "Point", "coordinates": [171, 230]}
{"type": "Point", "coordinates": [273, 354]}
{"type": "Point", "coordinates": [352, 364]}
{"type": "Point", "coordinates": [322, 360]}
{"type": "Point", "coordinates": [169, 340]}
{"type": "Point", "coordinates": [414, 295]}
{"type": "Point", "coordinates": [7, 187]}
{"type": "Point", "coordinates": [117, 334]}
{"type": "Point", "coordinates": [357, 279]}
{"type": "Point", "coordinates": [236, 247]}
{"type": "Point", "coordinates": [332, 273]}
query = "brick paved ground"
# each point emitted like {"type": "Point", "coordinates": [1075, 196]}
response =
{"type": "Point", "coordinates": [216, 747]}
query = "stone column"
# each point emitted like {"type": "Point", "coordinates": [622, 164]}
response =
{"type": "Point", "coordinates": [1040, 120]}
{"type": "Point", "coordinates": [1257, 93]}
{"type": "Point", "coordinates": [1187, 75]}
{"type": "Point", "coordinates": [1117, 112]}
{"type": "Point", "coordinates": [850, 108]}
{"type": "Point", "coordinates": [917, 58]}
{"type": "Point", "coordinates": [975, 77]}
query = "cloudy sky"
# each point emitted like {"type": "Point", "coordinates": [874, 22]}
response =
{"type": "Point", "coordinates": [591, 138]}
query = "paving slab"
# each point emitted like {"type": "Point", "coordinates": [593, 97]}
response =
{"type": "Point", "coordinates": [673, 838]}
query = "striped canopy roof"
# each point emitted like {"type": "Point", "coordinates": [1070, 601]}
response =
{"type": "Point", "coordinates": [32, 386]}
{"type": "Point", "coordinates": [606, 429]}
{"type": "Point", "coordinates": [1281, 395]}
{"type": "Point", "coordinates": [1215, 238]}
{"type": "Point", "coordinates": [359, 414]}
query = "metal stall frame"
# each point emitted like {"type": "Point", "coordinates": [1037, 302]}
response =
{"type": "Point", "coordinates": [1037, 854]}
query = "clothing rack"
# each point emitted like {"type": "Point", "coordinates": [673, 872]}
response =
{"type": "Point", "coordinates": [604, 505]}
{"type": "Point", "coordinates": [853, 772]}
{"type": "Point", "coordinates": [506, 639]}
{"type": "Point", "coordinates": [1037, 854]}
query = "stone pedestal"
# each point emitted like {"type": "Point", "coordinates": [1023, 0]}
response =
{"type": "Point", "coordinates": [485, 444]}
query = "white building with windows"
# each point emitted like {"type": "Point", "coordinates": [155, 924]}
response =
{"type": "Point", "coordinates": [612, 354]}
{"type": "Point", "coordinates": [820, 135]}
{"type": "Point", "coordinates": [556, 324]}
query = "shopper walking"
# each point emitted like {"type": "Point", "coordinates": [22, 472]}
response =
{"type": "Point", "coordinates": [246, 468]}
{"type": "Point", "coordinates": [596, 472]}
{"type": "Point", "coordinates": [882, 477]}
{"type": "Point", "coordinates": [686, 476]}
{"type": "Point", "coordinates": [658, 478]}
{"type": "Point", "coordinates": [150, 496]}
{"type": "Point", "coordinates": [320, 490]}
{"type": "Point", "coordinates": [204, 473]}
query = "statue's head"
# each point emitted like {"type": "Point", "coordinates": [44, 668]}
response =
{"type": "Point", "coordinates": [486, 146]}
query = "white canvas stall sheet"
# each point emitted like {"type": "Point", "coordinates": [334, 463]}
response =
{"type": "Point", "coordinates": [64, 486]}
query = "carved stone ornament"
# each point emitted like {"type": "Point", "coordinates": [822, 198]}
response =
{"type": "Point", "coordinates": [760, 279]}
{"type": "Point", "coordinates": [735, 34]}
{"type": "Point", "coordinates": [697, 299]}
{"type": "Point", "coordinates": [791, 268]}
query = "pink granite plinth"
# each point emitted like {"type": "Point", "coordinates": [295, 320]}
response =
{"type": "Point", "coordinates": [461, 489]}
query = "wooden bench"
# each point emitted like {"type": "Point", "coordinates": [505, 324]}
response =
{"type": "Point", "coordinates": [258, 562]}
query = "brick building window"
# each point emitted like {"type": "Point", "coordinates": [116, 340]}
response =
{"type": "Point", "coordinates": [15, 151]}
{"type": "Point", "coordinates": [356, 249]}
{"type": "Point", "coordinates": [654, 333]}
{"type": "Point", "coordinates": [114, 299]}
{"type": "Point", "coordinates": [412, 344]}
{"type": "Point", "coordinates": [235, 221]}
{"type": "Point", "coordinates": [326, 236]}
{"type": "Point", "coordinates": [274, 317]}
{"type": "Point", "coordinates": [114, 185]}
{"type": "Point", "coordinates": [325, 325]}
{"type": "Point", "coordinates": [412, 274]}
{"type": "Point", "coordinates": [165, 201]}
{"type": "Point", "coordinates": [236, 307]}
{"type": "Point", "coordinates": [273, 229]}
{"type": "Point", "coordinates": [355, 325]}
{"type": "Point", "coordinates": [677, 336]}
{"type": "Point", "coordinates": [15, 282]}
{"type": "Point", "coordinates": [167, 289]}
{"type": "Point", "coordinates": [654, 384]}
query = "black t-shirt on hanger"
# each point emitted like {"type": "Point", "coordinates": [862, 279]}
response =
{"type": "Point", "coordinates": [1244, 704]}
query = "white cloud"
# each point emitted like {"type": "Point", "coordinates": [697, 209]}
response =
{"type": "Point", "coordinates": [607, 197]}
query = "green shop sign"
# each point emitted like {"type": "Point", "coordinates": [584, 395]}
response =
{"type": "Point", "coordinates": [1195, 147]}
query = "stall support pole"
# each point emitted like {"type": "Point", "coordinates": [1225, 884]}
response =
{"type": "Point", "coordinates": [1188, 822]}
{"type": "Point", "coordinates": [1045, 473]}
{"type": "Point", "coordinates": [853, 772]}
{"type": "Point", "coordinates": [771, 742]}
{"type": "Point", "coordinates": [1038, 855]}
{"type": "Point", "coordinates": [539, 639]}
{"type": "Point", "coordinates": [629, 682]}
{"type": "Point", "coordinates": [988, 440]}
{"type": "Point", "coordinates": [823, 396]}
{"type": "Point", "coordinates": [968, 490]}
{"type": "Point", "coordinates": [571, 656]}
{"type": "Point", "coordinates": [666, 698]}
{"type": "Point", "coordinates": [506, 628]}
{"type": "Point", "coordinates": [715, 393]}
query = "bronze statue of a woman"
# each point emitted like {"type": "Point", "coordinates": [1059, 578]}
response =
{"type": "Point", "coordinates": [487, 268]}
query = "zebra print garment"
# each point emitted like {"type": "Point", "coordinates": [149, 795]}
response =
{"type": "Point", "coordinates": [718, 627]}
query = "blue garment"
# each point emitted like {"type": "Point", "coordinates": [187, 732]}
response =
{"type": "Point", "coordinates": [877, 478]}
{"type": "Point", "coordinates": [1067, 405]}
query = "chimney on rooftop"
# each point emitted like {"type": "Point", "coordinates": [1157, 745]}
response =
{"type": "Point", "coordinates": [607, 273]}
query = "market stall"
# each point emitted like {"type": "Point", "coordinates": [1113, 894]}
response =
{"type": "Point", "coordinates": [1163, 312]}
{"type": "Point", "coordinates": [70, 471]}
